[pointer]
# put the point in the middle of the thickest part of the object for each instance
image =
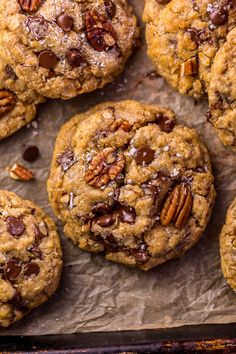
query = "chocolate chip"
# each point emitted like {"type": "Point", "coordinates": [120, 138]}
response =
{"type": "Point", "coordinates": [219, 16]}
{"type": "Point", "coordinates": [101, 208]}
{"type": "Point", "coordinates": [12, 269]}
{"type": "Point", "coordinates": [30, 152]}
{"type": "Point", "coordinates": [31, 269]}
{"type": "Point", "coordinates": [110, 7]}
{"type": "Point", "coordinates": [35, 251]}
{"type": "Point", "coordinates": [106, 220]}
{"type": "Point", "coordinates": [37, 26]}
{"type": "Point", "coordinates": [10, 72]}
{"type": "Point", "coordinates": [126, 214]}
{"type": "Point", "coordinates": [151, 191]}
{"type": "Point", "coordinates": [162, 2]}
{"type": "Point", "coordinates": [166, 125]}
{"type": "Point", "coordinates": [65, 22]}
{"type": "Point", "coordinates": [195, 35]}
{"type": "Point", "coordinates": [47, 59]}
{"type": "Point", "coordinates": [110, 243]}
{"type": "Point", "coordinates": [140, 254]}
{"type": "Point", "coordinates": [15, 226]}
{"type": "Point", "coordinates": [75, 59]}
{"type": "Point", "coordinates": [66, 160]}
{"type": "Point", "coordinates": [120, 179]}
{"type": "Point", "coordinates": [144, 155]}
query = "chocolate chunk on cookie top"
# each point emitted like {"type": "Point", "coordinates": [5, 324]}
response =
{"type": "Point", "coordinates": [30, 257]}
{"type": "Point", "coordinates": [222, 92]}
{"type": "Point", "coordinates": [228, 246]}
{"type": "Point", "coordinates": [63, 48]}
{"type": "Point", "coordinates": [183, 37]}
{"type": "Point", "coordinates": [129, 182]}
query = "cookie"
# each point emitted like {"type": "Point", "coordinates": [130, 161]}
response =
{"type": "Point", "coordinates": [184, 39]}
{"type": "Point", "coordinates": [30, 257]}
{"type": "Point", "coordinates": [228, 246]}
{"type": "Point", "coordinates": [222, 92]}
{"type": "Point", "coordinates": [62, 48]}
{"type": "Point", "coordinates": [129, 182]}
{"type": "Point", "coordinates": [18, 104]}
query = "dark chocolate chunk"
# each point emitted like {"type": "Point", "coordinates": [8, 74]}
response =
{"type": "Point", "coordinates": [110, 7]}
{"type": "Point", "coordinates": [106, 220]}
{"type": "Point", "coordinates": [126, 214]}
{"type": "Point", "coordinates": [165, 124]}
{"type": "Point", "coordinates": [47, 59]}
{"type": "Point", "coordinates": [144, 155]}
{"type": "Point", "coordinates": [30, 152]}
{"type": "Point", "coordinates": [75, 59]}
{"type": "Point", "coordinates": [65, 22]}
{"type": "Point", "coordinates": [140, 254]}
{"type": "Point", "coordinates": [66, 160]}
{"type": "Point", "coordinates": [12, 269]}
{"type": "Point", "coordinates": [101, 208]}
{"type": "Point", "coordinates": [15, 226]}
{"type": "Point", "coordinates": [195, 35]}
{"type": "Point", "coordinates": [31, 269]}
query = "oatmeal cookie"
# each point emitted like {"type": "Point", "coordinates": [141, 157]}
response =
{"type": "Point", "coordinates": [18, 104]}
{"type": "Point", "coordinates": [222, 92]}
{"type": "Point", "coordinates": [228, 246]}
{"type": "Point", "coordinates": [62, 48]}
{"type": "Point", "coordinates": [184, 38]}
{"type": "Point", "coordinates": [30, 257]}
{"type": "Point", "coordinates": [129, 182]}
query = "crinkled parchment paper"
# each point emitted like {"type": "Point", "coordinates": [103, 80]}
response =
{"type": "Point", "coordinates": [96, 295]}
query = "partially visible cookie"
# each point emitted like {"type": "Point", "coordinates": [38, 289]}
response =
{"type": "Point", "coordinates": [30, 257]}
{"type": "Point", "coordinates": [222, 92]}
{"type": "Point", "coordinates": [62, 48]}
{"type": "Point", "coordinates": [228, 246]}
{"type": "Point", "coordinates": [129, 182]}
{"type": "Point", "coordinates": [184, 38]}
{"type": "Point", "coordinates": [18, 104]}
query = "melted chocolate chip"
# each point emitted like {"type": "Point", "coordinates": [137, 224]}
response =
{"type": "Point", "coordinates": [144, 155]}
{"type": "Point", "coordinates": [110, 7]}
{"type": "Point", "coordinates": [37, 26]}
{"type": "Point", "coordinates": [219, 16]}
{"type": "Point", "coordinates": [12, 269]}
{"type": "Point", "coordinates": [162, 2]}
{"type": "Point", "coordinates": [15, 226]}
{"type": "Point", "coordinates": [126, 214]}
{"type": "Point", "coordinates": [30, 153]}
{"type": "Point", "coordinates": [47, 59]}
{"type": "Point", "coordinates": [65, 22]}
{"type": "Point", "coordinates": [106, 220]}
{"type": "Point", "coordinates": [31, 269]}
{"type": "Point", "coordinates": [195, 35]}
{"type": "Point", "coordinates": [166, 125]}
{"type": "Point", "coordinates": [140, 254]}
{"type": "Point", "coordinates": [66, 160]}
{"type": "Point", "coordinates": [101, 208]}
{"type": "Point", "coordinates": [35, 251]}
{"type": "Point", "coordinates": [75, 59]}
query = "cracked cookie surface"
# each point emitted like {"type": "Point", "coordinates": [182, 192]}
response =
{"type": "Point", "coordinates": [184, 37]}
{"type": "Point", "coordinates": [30, 257]}
{"type": "Point", "coordinates": [222, 92]}
{"type": "Point", "coordinates": [18, 104]}
{"type": "Point", "coordinates": [228, 246]}
{"type": "Point", "coordinates": [129, 182]}
{"type": "Point", "coordinates": [62, 48]}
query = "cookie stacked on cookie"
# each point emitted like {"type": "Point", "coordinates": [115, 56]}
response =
{"type": "Point", "coordinates": [184, 40]}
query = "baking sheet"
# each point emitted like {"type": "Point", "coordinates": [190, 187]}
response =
{"type": "Point", "coordinates": [96, 295]}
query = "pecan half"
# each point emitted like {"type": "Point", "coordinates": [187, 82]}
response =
{"type": "Point", "coordinates": [104, 167]}
{"type": "Point", "coordinates": [100, 32]}
{"type": "Point", "coordinates": [189, 67]}
{"type": "Point", "coordinates": [30, 5]}
{"type": "Point", "coordinates": [7, 102]}
{"type": "Point", "coordinates": [21, 173]}
{"type": "Point", "coordinates": [177, 206]}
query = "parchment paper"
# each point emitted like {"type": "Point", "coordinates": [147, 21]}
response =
{"type": "Point", "coordinates": [96, 295]}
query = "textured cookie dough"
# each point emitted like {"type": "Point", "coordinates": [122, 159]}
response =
{"type": "Point", "coordinates": [62, 48]}
{"type": "Point", "coordinates": [18, 104]}
{"type": "Point", "coordinates": [30, 257]}
{"type": "Point", "coordinates": [222, 92]}
{"type": "Point", "coordinates": [130, 183]}
{"type": "Point", "coordinates": [228, 246]}
{"type": "Point", "coordinates": [184, 38]}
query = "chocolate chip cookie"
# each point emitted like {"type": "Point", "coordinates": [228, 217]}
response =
{"type": "Point", "coordinates": [30, 257]}
{"type": "Point", "coordinates": [129, 182]}
{"type": "Point", "coordinates": [228, 246]}
{"type": "Point", "coordinates": [222, 92]}
{"type": "Point", "coordinates": [62, 48]}
{"type": "Point", "coordinates": [18, 104]}
{"type": "Point", "coordinates": [184, 39]}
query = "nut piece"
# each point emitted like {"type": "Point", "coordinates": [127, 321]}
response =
{"type": "Point", "coordinates": [7, 102]}
{"type": "Point", "coordinates": [177, 206]}
{"type": "Point", "coordinates": [29, 5]}
{"type": "Point", "coordinates": [120, 124]}
{"type": "Point", "coordinates": [104, 167]}
{"type": "Point", "coordinates": [189, 67]}
{"type": "Point", "coordinates": [100, 32]}
{"type": "Point", "coordinates": [20, 173]}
